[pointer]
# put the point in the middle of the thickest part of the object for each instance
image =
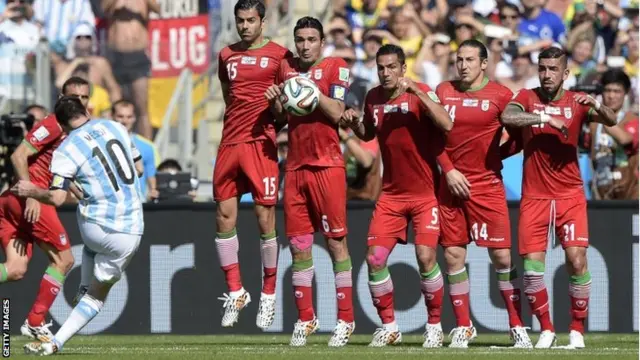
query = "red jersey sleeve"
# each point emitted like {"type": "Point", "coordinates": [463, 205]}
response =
{"type": "Point", "coordinates": [222, 70]}
{"type": "Point", "coordinates": [520, 99]}
{"type": "Point", "coordinates": [632, 128]}
{"type": "Point", "coordinates": [440, 141]}
{"type": "Point", "coordinates": [504, 97]}
{"type": "Point", "coordinates": [368, 110]}
{"type": "Point", "coordinates": [339, 80]}
{"type": "Point", "coordinates": [513, 145]}
{"type": "Point", "coordinates": [44, 133]}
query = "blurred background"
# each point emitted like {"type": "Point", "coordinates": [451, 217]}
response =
{"type": "Point", "coordinates": [161, 56]}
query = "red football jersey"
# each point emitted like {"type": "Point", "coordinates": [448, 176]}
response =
{"type": "Point", "coordinates": [44, 137]}
{"type": "Point", "coordinates": [313, 138]}
{"type": "Point", "coordinates": [551, 168]}
{"type": "Point", "coordinates": [409, 143]}
{"type": "Point", "coordinates": [473, 145]}
{"type": "Point", "coordinates": [248, 73]}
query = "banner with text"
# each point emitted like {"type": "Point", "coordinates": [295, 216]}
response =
{"type": "Point", "coordinates": [179, 39]}
{"type": "Point", "coordinates": [172, 283]}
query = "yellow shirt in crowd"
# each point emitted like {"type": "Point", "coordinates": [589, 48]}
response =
{"type": "Point", "coordinates": [99, 102]}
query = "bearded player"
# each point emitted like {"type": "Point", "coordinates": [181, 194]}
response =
{"type": "Point", "coordinates": [473, 205]}
{"type": "Point", "coordinates": [247, 158]}
{"type": "Point", "coordinates": [395, 112]}
{"type": "Point", "coordinates": [23, 222]}
{"type": "Point", "coordinates": [315, 186]}
{"type": "Point", "coordinates": [553, 200]}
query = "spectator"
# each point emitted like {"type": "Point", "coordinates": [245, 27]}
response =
{"type": "Point", "coordinates": [58, 18]}
{"type": "Point", "coordinates": [521, 72]}
{"type": "Point", "coordinates": [18, 38]}
{"type": "Point", "coordinates": [365, 14]}
{"type": "Point", "coordinates": [37, 111]}
{"type": "Point", "coordinates": [538, 23]}
{"type": "Point", "coordinates": [171, 166]}
{"type": "Point", "coordinates": [128, 40]}
{"type": "Point", "coordinates": [606, 156]}
{"type": "Point", "coordinates": [510, 18]}
{"type": "Point", "coordinates": [339, 37]}
{"type": "Point", "coordinates": [124, 113]}
{"type": "Point", "coordinates": [366, 69]}
{"type": "Point", "coordinates": [99, 104]}
{"type": "Point", "coordinates": [626, 134]}
{"type": "Point", "coordinates": [432, 62]}
{"type": "Point", "coordinates": [82, 50]}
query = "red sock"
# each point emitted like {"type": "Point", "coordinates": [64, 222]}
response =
{"type": "Point", "coordinates": [49, 289]}
{"type": "Point", "coordinates": [461, 309]}
{"type": "Point", "coordinates": [579, 309]}
{"type": "Point", "coordinates": [304, 302]}
{"type": "Point", "coordinates": [345, 304]}
{"type": "Point", "coordinates": [269, 281]}
{"type": "Point", "coordinates": [384, 305]}
{"type": "Point", "coordinates": [512, 301]}
{"type": "Point", "coordinates": [539, 302]}
{"type": "Point", "coordinates": [232, 276]}
{"type": "Point", "coordinates": [434, 305]}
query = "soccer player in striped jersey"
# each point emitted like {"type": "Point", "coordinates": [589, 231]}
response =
{"type": "Point", "coordinates": [99, 156]}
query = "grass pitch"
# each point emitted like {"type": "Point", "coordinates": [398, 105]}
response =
{"type": "Point", "coordinates": [244, 347]}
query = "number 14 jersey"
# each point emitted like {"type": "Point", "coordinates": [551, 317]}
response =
{"type": "Point", "coordinates": [100, 156]}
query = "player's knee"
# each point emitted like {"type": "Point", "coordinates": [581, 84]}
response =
{"type": "Point", "coordinates": [65, 263]}
{"type": "Point", "coordinates": [455, 257]}
{"type": "Point", "coordinates": [577, 264]}
{"type": "Point", "coordinates": [225, 218]}
{"type": "Point", "coordinates": [301, 243]}
{"type": "Point", "coordinates": [338, 247]}
{"type": "Point", "coordinates": [377, 257]}
{"type": "Point", "coordinates": [501, 258]}
{"type": "Point", "coordinates": [426, 257]}
{"type": "Point", "coordinates": [16, 270]}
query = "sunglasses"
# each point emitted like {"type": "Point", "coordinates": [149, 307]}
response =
{"type": "Point", "coordinates": [512, 17]}
{"type": "Point", "coordinates": [16, 1]}
{"type": "Point", "coordinates": [84, 37]}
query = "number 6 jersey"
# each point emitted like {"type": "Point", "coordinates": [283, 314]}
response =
{"type": "Point", "coordinates": [100, 156]}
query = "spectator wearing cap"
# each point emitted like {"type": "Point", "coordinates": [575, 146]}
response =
{"type": "Point", "coordinates": [82, 50]}
{"type": "Point", "coordinates": [366, 69]}
{"type": "Point", "coordinates": [339, 37]}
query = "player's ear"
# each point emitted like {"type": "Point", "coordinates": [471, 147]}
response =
{"type": "Point", "coordinates": [404, 68]}
{"type": "Point", "coordinates": [565, 74]}
{"type": "Point", "coordinates": [484, 63]}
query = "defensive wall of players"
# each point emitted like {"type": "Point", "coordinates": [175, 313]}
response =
{"type": "Point", "coordinates": [173, 282]}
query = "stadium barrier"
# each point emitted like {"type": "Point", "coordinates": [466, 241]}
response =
{"type": "Point", "coordinates": [173, 282]}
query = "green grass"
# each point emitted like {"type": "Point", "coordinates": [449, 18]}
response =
{"type": "Point", "coordinates": [242, 347]}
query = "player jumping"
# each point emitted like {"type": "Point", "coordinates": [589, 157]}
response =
{"type": "Point", "coordinates": [553, 200]}
{"type": "Point", "coordinates": [23, 222]}
{"type": "Point", "coordinates": [315, 186]}
{"type": "Point", "coordinates": [396, 112]}
{"type": "Point", "coordinates": [99, 154]}
{"type": "Point", "coordinates": [247, 158]}
{"type": "Point", "coordinates": [473, 205]}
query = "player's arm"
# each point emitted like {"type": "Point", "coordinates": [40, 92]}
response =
{"type": "Point", "coordinates": [56, 195]}
{"type": "Point", "coordinates": [223, 76]}
{"type": "Point", "coordinates": [333, 105]}
{"type": "Point", "coordinates": [363, 127]}
{"type": "Point", "coordinates": [514, 115]}
{"type": "Point", "coordinates": [620, 135]}
{"type": "Point", "coordinates": [20, 159]}
{"type": "Point", "coordinates": [513, 145]}
{"type": "Point", "coordinates": [431, 104]}
{"type": "Point", "coordinates": [598, 112]}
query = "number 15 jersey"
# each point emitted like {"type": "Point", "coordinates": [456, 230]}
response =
{"type": "Point", "coordinates": [100, 156]}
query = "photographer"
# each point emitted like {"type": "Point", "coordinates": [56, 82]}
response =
{"type": "Point", "coordinates": [13, 128]}
{"type": "Point", "coordinates": [607, 156]}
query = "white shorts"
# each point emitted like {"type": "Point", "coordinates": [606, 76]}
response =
{"type": "Point", "coordinates": [113, 250]}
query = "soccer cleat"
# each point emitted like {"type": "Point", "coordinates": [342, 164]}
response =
{"type": "Point", "coordinates": [576, 340]}
{"type": "Point", "coordinates": [383, 337]}
{"type": "Point", "coordinates": [266, 311]}
{"type": "Point", "coordinates": [433, 336]}
{"type": "Point", "coordinates": [546, 340]}
{"type": "Point", "coordinates": [40, 333]}
{"type": "Point", "coordinates": [342, 333]}
{"type": "Point", "coordinates": [520, 338]}
{"type": "Point", "coordinates": [81, 291]}
{"type": "Point", "coordinates": [232, 306]}
{"type": "Point", "coordinates": [461, 336]}
{"type": "Point", "coordinates": [42, 349]}
{"type": "Point", "coordinates": [301, 330]}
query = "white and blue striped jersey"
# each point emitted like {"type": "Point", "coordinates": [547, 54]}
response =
{"type": "Point", "coordinates": [100, 156]}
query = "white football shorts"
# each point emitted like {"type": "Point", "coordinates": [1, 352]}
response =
{"type": "Point", "coordinates": [113, 250]}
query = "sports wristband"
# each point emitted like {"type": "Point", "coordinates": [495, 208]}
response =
{"type": "Point", "coordinates": [544, 118]}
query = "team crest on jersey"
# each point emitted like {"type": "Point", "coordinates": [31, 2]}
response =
{"type": "Point", "coordinates": [404, 107]}
{"type": "Point", "coordinates": [248, 60]}
{"type": "Point", "coordinates": [264, 62]}
{"type": "Point", "coordinates": [567, 113]}
{"type": "Point", "coordinates": [485, 105]}
{"type": "Point", "coordinates": [317, 74]}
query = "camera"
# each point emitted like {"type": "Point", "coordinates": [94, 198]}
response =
{"type": "Point", "coordinates": [13, 127]}
{"type": "Point", "coordinates": [589, 89]}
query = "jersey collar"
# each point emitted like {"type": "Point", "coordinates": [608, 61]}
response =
{"type": "Point", "coordinates": [264, 42]}
{"type": "Point", "coordinates": [312, 65]}
{"type": "Point", "coordinates": [484, 83]}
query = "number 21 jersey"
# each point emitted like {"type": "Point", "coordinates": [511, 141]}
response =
{"type": "Point", "coordinates": [100, 156]}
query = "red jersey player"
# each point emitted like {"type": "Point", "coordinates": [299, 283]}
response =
{"type": "Point", "coordinates": [247, 157]}
{"type": "Point", "coordinates": [315, 180]}
{"type": "Point", "coordinates": [473, 205]}
{"type": "Point", "coordinates": [396, 112]}
{"type": "Point", "coordinates": [553, 200]}
{"type": "Point", "coordinates": [23, 222]}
